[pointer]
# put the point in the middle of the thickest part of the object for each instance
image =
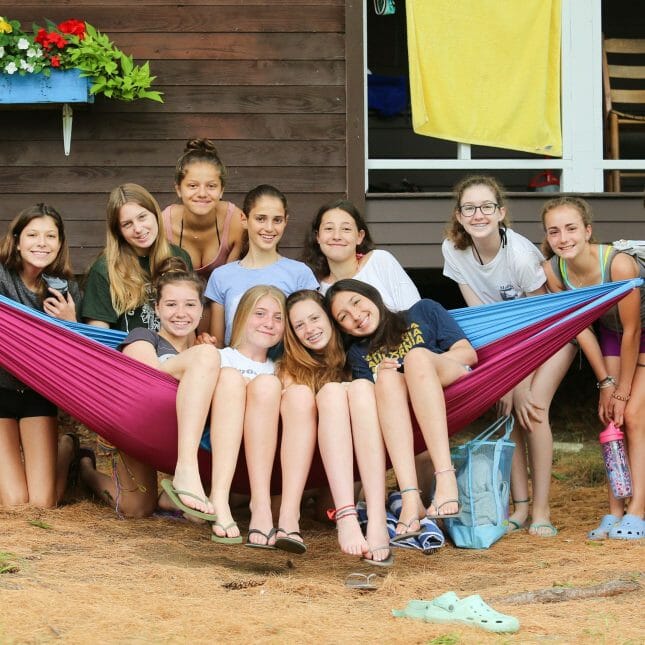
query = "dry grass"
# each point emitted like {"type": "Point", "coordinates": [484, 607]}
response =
{"type": "Point", "coordinates": [79, 574]}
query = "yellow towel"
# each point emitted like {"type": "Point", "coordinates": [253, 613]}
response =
{"type": "Point", "coordinates": [487, 72]}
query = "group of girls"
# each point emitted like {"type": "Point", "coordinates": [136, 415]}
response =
{"type": "Point", "coordinates": [253, 359]}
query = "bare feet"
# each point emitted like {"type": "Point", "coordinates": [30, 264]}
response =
{"type": "Point", "coordinates": [350, 536]}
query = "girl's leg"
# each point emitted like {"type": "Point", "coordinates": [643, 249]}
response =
{"type": "Point", "coordinates": [66, 455]}
{"type": "Point", "coordinates": [227, 426]}
{"type": "Point", "coordinates": [635, 429]}
{"type": "Point", "coordinates": [132, 488]}
{"type": "Point", "coordinates": [299, 430]}
{"type": "Point", "coordinates": [13, 480]}
{"type": "Point", "coordinates": [197, 370]}
{"type": "Point", "coordinates": [540, 440]}
{"type": "Point", "coordinates": [519, 482]}
{"type": "Point", "coordinates": [336, 450]}
{"type": "Point", "coordinates": [396, 425]}
{"type": "Point", "coordinates": [426, 374]}
{"type": "Point", "coordinates": [260, 441]}
{"type": "Point", "coordinates": [39, 438]}
{"type": "Point", "coordinates": [370, 456]}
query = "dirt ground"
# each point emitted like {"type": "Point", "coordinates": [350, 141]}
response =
{"type": "Point", "coordinates": [79, 574]}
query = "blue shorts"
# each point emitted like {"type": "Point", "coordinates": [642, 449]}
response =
{"type": "Point", "coordinates": [20, 404]}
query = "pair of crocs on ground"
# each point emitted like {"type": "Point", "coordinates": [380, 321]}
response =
{"type": "Point", "coordinates": [448, 608]}
{"type": "Point", "coordinates": [629, 527]}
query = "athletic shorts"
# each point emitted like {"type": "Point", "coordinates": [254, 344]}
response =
{"type": "Point", "coordinates": [610, 341]}
{"type": "Point", "coordinates": [25, 403]}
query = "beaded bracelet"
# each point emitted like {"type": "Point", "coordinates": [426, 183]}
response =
{"type": "Point", "coordinates": [608, 381]}
{"type": "Point", "coordinates": [620, 397]}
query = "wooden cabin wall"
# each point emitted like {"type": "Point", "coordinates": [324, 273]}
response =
{"type": "Point", "coordinates": [264, 80]}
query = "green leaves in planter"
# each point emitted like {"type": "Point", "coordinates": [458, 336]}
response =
{"type": "Point", "coordinates": [113, 73]}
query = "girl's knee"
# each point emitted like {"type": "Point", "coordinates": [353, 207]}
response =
{"type": "Point", "coordinates": [205, 357]}
{"type": "Point", "coordinates": [331, 393]}
{"type": "Point", "coordinates": [265, 387]}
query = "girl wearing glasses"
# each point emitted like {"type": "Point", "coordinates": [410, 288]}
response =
{"type": "Point", "coordinates": [490, 262]}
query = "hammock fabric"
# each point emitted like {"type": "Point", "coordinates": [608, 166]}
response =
{"type": "Point", "coordinates": [133, 406]}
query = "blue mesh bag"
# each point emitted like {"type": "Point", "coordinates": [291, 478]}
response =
{"type": "Point", "coordinates": [483, 468]}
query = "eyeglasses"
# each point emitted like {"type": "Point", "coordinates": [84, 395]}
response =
{"type": "Point", "coordinates": [487, 208]}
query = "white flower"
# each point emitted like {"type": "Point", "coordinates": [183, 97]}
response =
{"type": "Point", "coordinates": [1, 52]}
{"type": "Point", "coordinates": [30, 69]}
{"type": "Point", "coordinates": [23, 43]}
{"type": "Point", "coordinates": [32, 53]}
{"type": "Point", "coordinates": [11, 68]}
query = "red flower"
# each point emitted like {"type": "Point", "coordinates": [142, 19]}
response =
{"type": "Point", "coordinates": [55, 61]}
{"type": "Point", "coordinates": [74, 27]}
{"type": "Point", "coordinates": [42, 39]}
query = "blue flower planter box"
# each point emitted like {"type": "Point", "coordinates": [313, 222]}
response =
{"type": "Point", "coordinates": [60, 87]}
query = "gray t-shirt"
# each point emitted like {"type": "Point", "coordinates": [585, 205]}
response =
{"type": "Point", "coordinates": [12, 286]}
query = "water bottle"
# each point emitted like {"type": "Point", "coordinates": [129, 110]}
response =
{"type": "Point", "coordinates": [612, 442]}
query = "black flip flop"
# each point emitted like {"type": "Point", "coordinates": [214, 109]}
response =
{"type": "Point", "coordinates": [290, 544]}
{"type": "Point", "coordinates": [266, 536]}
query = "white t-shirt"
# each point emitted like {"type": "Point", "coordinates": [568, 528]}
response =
{"type": "Point", "coordinates": [248, 368]}
{"type": "Point", "coordinates": [383, 271]}
{"type": "Point", "coordinates": [515, 271]}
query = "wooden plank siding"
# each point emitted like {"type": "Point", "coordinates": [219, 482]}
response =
{"type": "Point", "coordinates": [411, 226]}
{"type": "Point", "coordinates": [265, 80]}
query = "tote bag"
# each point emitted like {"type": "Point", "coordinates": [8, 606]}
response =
{"type": "Point", "coordinates": [483, 468]}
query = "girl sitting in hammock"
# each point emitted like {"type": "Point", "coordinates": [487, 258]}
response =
{"type": "Point", "coordinates": [344, 416]}
{"type": "Point", "coordinates": [133, 489]}
{"type": "Point", "coordinates": [410, 356]}
{"type": "Point", "coordinates": [32, 253]}
{"type": "Point", "coordinates": [247, 404]}
{"type": "Point", "coordinates": [617, 356]}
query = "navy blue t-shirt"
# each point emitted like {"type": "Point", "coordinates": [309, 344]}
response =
{"type": "Point", "coordinates": [430, 326]}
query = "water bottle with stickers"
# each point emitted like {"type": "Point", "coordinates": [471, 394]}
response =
{"type": "Point", "coordinates": [612, 442]}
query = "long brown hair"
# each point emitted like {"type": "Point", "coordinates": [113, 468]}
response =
{"type": "Point", "coordinates": [129, 283]}
{"type": "Point", "coordinates": [10, 256]}
{"type": "Point", "coordinates": [578, 204]}
{"type": "Point", "coordinates": [455, 232]}
{"type": "Point", "coordinates": [313, 256]}
{"type": "Point", "coordinates": [304, 366]}
{"type": "Point", "coordinates": [391, 325]}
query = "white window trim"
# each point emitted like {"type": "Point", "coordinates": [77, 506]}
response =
{"type": "Point", "coordinates": [582, 165]}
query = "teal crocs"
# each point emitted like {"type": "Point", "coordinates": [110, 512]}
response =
{"type": "Point", "coordinates": [472, 611]}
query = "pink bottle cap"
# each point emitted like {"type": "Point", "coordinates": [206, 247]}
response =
{"type": "Point", "coordinates": [611, 433]}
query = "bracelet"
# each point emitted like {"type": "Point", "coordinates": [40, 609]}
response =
{"type": "Point", "coordinates": [608, 381]}
{"type": "Point", "coordinates": [620, 397]}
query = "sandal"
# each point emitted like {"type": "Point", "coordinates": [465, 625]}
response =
{"type": "Point", "coordinates": [407, 533]}
{"type": "Point", "coordinates": [601, 532]}
{"type": "Point", "coordinates": [266, 536]}
{"type": "Point", "coordinates": [361, 581]}
{"type": "Point", "coordinates": [631, 527]}
{"type": "Point", "coordinates": [471, 611]}
{"type": "Point", "coordinates": [385, 562]}
{"type": "Point", "coordinates": [225, 539]}
{"type": "Point", "coordinates": [289, 544]}
{"type": "Point", "coordinates": [438, 515]}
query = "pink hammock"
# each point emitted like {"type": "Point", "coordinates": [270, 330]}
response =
{"type": "Point", "coordinates": [133, 406]}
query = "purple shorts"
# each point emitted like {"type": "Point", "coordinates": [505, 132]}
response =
{"type": "Point", "coordinates": [610, 341]}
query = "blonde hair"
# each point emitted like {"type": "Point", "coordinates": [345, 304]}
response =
{"type": "Point", "coordinates": [304, 366]}
{"type": "Point", "coordinates": [247, 304]}
{"type": "Point", "coordinates": [577, 203]}
{"type": "Point", "coordinates": [454, 230]}
{"type": "Point", "coordinates": [129, 283]}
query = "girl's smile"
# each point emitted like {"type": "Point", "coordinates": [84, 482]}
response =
{"type": "Point", "coordinates": [356, 314]}
{"type": "Point", "coordinates": [139, 227]}
{"type": "Point", "coordinates": [310, 324]}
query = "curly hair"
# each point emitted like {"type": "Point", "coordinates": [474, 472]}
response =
{"type": "Point", "coordinates": [454, 230]}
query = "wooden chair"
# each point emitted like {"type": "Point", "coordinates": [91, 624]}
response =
{"type": "Point", "coordinates": [624, 85]}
